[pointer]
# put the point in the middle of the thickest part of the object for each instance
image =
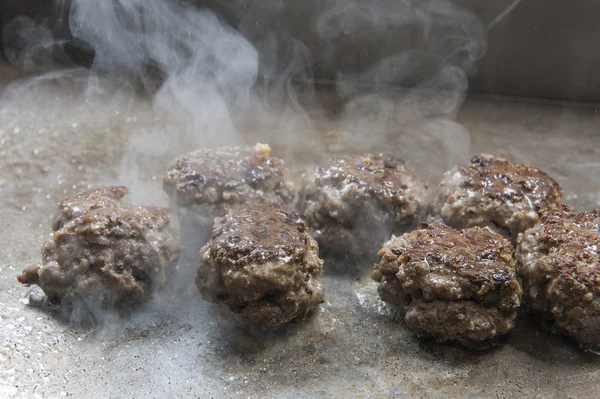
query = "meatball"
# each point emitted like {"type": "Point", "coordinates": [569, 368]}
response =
{"type": "Point", "coordinates": [451, 284]}
{"type": "Point", "coordinates": [504, 196]}
{"type": "Point", "coordinates": [354, 203]}
{"type": "Point", "coordinates": [105, 253]}
{"type": "Point", "coordinates": [262, 263]}
{"type": "Point", "coordinates": [204, 183]}
{"type": "Point", "coordinates": [560, 269]}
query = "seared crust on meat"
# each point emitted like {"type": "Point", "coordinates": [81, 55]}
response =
{"type": "Point", "coordinates": [452, 284]}
{"type": "Point", "coordinates": [227, 176]}
{"type": "Point", "coordinates": [560, 269]}
{"type": "Point", "coordinates": [261, 262]}
{"type": "Point", "coordinates": [494, 192]}
{"type": "Point", "coordinates": [355, 202]}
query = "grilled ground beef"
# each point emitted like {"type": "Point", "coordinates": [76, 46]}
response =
{"type": "Point", "coordinates": [205, 183]}
{"type": "Point", "coordinates": [560, 269]}
{"type": "Point", "coordinates": [105, 253]}
{"type": "Point", "coordinates": [452, 284]}
{"type": "Point", "coordinates": [493, 192]}
{"type": "Point", "coordinates": [354, 203]}
{"type": "Point", "coordinates": [262, 263]}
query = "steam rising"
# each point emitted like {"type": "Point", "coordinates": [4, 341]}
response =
{"type": "Point", "coordinates": [27, 45]}
{"type": "Point", "coordinates": [418, 87]}
{"type": "Point", "coordinates": [207, 67]}
{"type": "Point", "coordinates": [412, 64]}
{"type": "Point", "coordinates": [398, 69]}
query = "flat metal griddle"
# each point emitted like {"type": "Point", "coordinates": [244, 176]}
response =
{"type": "Point", "coordinates": [53, 144]}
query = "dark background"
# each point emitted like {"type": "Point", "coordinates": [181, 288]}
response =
{"type": "Point", "coordinates": [544, 48]}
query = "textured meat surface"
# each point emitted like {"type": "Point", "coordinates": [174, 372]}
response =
{"type": "Point", "coordinates": [205, 183]}
{"type": "Point", "coordinates": [493, 192]}
{"type": "Point", "coordinates": [104, 252]}
{"type": "Point", "coordinates": [72, 207]}
{"type": "Point", "coordinates": [355, 202]}
{"type": "Point", "coordinates": [452, 284]}
{"type": "Point", "coordinates": [227, 176]}
{"type": "Point", "coordinates": [560, 270]}
{"type": "Point", "coordinates": [262, 263]}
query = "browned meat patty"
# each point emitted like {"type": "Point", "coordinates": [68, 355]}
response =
{"type": "Point", "coordinates": [204, 183]}
{"type": "Point", "coordinates": [560, 269]}
{"type": "Point", "coordinates": [493, 192]}
{"type": "Point", "coordinates": [354, 203]}
{"type": "Point", "coordinates": [104, 252]}
{"type": "Point", "coordinates": [262, 263]}
{"type": "Point", "coordinates": [452, 284]}
{"type": "Point", "coordinates": [72, 207]}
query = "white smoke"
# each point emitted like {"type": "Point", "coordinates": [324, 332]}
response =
{"type": "Point", "coordinates": [406, 89]}
{"type": "Point", "coordinates": [393, 64]}
{"type": "Point", "coordinates": [397, 74]}
{"type": "Point", "coordinates": [206, 67]}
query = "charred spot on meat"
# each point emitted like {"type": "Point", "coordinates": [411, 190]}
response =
{"type": "Point", "coordinates": [560, 268]}
{"type": "Point", "coordinates": [204, 184]}
{"type": "Point", "coordinates": [493, 192]}
{"type": "Point", "coordinates": [355, 202]}
{"type": "Point", "coordinates": [262, 263]}
{"type": "Point", "coordinates": [105, 253]}
{"type": "Point", "coordinates": [458, 285]}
